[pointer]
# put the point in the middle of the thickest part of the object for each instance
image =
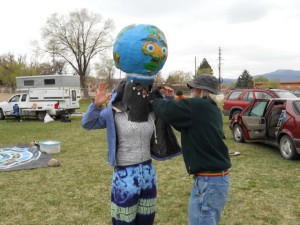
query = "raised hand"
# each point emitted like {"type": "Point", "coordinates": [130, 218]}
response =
{"type": "Point", "coordinates": [101, 94]}
{"type": "Point", "coordinates": [168, 91]}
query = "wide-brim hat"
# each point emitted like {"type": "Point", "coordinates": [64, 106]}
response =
{"type": "Point", "coordinates": [206, 82]}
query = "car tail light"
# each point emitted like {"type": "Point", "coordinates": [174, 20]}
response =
{"type": "Point", "coordinates": [56, 105]}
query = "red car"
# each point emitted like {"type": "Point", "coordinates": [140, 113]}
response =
{"type": "Point", "coordinates": [238, 99]}
{"type": "Point", "coordinates": [271, 121]}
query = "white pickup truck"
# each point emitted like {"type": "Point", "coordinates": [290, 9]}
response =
{"type": "Point", "coordinates": [56, 95]}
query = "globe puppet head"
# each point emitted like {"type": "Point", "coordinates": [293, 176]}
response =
{"type": "Point", "coordinates": [140, 51]}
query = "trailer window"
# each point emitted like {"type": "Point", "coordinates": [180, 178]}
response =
{"type": "Point", "coordinates": [28, 82]}
{"type": "Point", "coordinates": [49, 81]}
{"type": "Point", "coordinates": [73, 95]}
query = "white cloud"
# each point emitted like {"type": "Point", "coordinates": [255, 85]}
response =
{"type": "Point", "coordinates": [260, 36]}
{"type": "Point", "coordinates": [247, 12]}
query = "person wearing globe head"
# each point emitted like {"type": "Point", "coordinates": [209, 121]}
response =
{"type": "Point", "coordinates": [140, 51]}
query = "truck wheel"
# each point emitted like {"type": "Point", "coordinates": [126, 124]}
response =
{"type": "Point", "coordinates": [1, 115]}
{"type": "Point", "coordinates": [287, 148]}
{"type": "Point", "coordinates": [41, 115]}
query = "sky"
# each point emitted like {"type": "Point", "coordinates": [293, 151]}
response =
{"type": "Point", "coordinates": [258, 36]}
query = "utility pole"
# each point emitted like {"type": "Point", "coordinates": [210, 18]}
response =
{"type": "Point", "coordinates": [195, 66]}
{"type": "Point", "coordinates": [220, 78]}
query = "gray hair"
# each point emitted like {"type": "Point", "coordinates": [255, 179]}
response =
{"type": "Point", "coordinates": [208, 94]}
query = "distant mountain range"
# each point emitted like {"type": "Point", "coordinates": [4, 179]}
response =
{"type": "Point", "coordinates": [281, 75]}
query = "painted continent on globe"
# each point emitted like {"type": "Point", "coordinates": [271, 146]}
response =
{"type": "Point", "coordinates": [140, 49]}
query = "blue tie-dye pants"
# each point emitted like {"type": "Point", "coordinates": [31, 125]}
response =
{"type": "Point", "coordinates": [133, 194]}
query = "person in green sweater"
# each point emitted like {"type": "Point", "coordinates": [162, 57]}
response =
{"type": "Point", "coordinates": [206, 156]}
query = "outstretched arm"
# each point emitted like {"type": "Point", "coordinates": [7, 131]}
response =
{"type": "Point", "coordinates": [101, 94]}
{"type": "Point", "coordinates": [173, 112]}
{"type": "Point", "coordinates": [94, 118]}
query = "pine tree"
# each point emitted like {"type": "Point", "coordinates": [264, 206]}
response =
{"type": "Point", "coordinates": [204, 68]}
{"type": "Point", "coordinates": [245, 80]}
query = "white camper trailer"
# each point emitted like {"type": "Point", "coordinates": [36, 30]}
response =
{"type": "Point", "coordinates": [56, 95]}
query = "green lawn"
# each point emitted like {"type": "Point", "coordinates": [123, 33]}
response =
{"type": "Point", "coordinates": [264, 186]}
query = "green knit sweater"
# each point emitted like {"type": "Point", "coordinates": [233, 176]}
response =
{"type": "Point", "coordinates": [201, 125]}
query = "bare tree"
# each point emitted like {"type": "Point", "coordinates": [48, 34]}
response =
{"type": "Point", "coordinates": [159, 79]}
{"type": "Point", "coordinates": [57, 67]}
{"type": "Point", "coordinates": [77, 38]}
{"type": "Point", "coordinates": [178, 77]}
{"type": "Point", "coordinates": [106, 68]}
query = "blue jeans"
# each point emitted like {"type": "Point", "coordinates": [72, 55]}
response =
{"type": "Point", "coordinates": [207, 200]}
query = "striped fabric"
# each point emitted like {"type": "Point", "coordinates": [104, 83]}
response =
{"type": "Point", "coordinates": [133, 195]}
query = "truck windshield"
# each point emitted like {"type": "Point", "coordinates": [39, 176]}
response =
{"type": "Point", "coordinates": [15, 98]}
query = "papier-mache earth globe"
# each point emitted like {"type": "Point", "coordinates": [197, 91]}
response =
{"type": "Point", "coordinates": [140, 49]}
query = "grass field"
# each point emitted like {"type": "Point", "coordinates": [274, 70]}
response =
{"type": "Point", "coordinates": [264, 186]}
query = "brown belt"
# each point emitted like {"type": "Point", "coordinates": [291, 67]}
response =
{"type": "Point", "coordinates": [212, 173]}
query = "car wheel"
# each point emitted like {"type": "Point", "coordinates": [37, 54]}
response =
{"type": "Point", "coordinates": [287, 148]}
{"type": "Point", "coordinates": [1, 115]}
{"type": "Point", "coordinates": [235, 113]}
{"type": "Point", "coordinates": [41, 115]}
{"type": "Point", "coordinates": [238, 133]}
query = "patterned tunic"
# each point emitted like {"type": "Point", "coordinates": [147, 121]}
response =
{"type": "Point", "coordinates": [133, 140]}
